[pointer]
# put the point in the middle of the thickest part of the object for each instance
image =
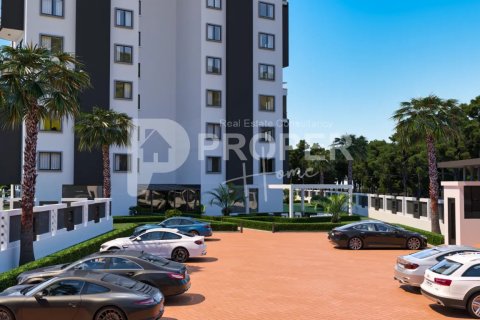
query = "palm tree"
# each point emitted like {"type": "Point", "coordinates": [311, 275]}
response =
{"type": "Point", "coordinates": [36, 84]}
{"type": "Point", "coordinates": [225, 197]}
{"type": "Point", "coordinates": [335, 205]}
{"type": "Point", "coordinates": [428, 119]}
{"type": "Point", "coordinates": [102, 129]}
{"type": "Point", "coordinates": [356, 147]}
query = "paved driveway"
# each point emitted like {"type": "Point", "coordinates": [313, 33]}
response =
{"type": "Point", "coordinates": [296, 276]}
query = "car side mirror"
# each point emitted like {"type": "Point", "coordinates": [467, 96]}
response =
{"type": "Point", "coordinates": [137, 239]}
{"type": "Point", "coordinates": [40, 295]}
{"type": "Point", "coordinates": [162, 225]}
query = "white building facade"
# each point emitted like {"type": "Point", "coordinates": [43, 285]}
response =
{"type": "Point", "coordinates": [195, 75]}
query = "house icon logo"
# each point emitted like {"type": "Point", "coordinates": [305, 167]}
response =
{"type": "Point", "coordinates": [155, 148]}
{"type": "Point", "coordinates": [164, 146]}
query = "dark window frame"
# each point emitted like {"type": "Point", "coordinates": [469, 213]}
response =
{"type": "Point", "coordinates": [214, 59]}
{"type": "Point", "coordinates": [42, 35]}
{"type": "Point", "coordinates": [129, 162]}
{"type": "Point", "coordinates": [115, 90]}
{"type": "Point", "coordinates": [219, 159]}
{"type": "Point", "coordinates": [214, 6]}
{"type": "Point", "coordinates": [267, 4]}
{"type": "Point", "coordinates": [123, 46]}
{"type": "Point", "coordinates": [123, 12]}
{"type": "Point", "coordinates": [50, 153]}
{"type": "Point", "coordinates": [50, 131]}
{"type": "Point", "coordinates": [260, 73]}
{"type": "Point", "coordinates": [260, 102]}
{"type": "Point", "coordinates": [260, 34]}
{"type": "Point", "coordinates": [214, 105]}
{"type": "Point", "coordinates": [52, 15]}
{"type": "Point", "coordinates": [213, 136]}
{"type": "Point", "coordinates": [263, 130]}
{"type": "Point", "coordinates": [215, 26]}
{"type": "Point", "coordinates": [267, 165]}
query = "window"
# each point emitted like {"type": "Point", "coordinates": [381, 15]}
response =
{"type": "Point", "coordinates": [214, 4]}
{"type": "Point", "coordinates": [214, 165]}
{"type": "Point", "coordinates": [64, 288]}
{"type": "Point", "coordinates": [122, 264]}
{"type": "Point", "coordinates": [266, 10]}
{"type": "Point", "coordinates": [214, 65]}
{"type": "Point", "coordinates": [123, 54]}
{"type": "Point", "coordinates": [171, 236]}
{"type": "Point", "coordinates": [267, 134]}
{"type": "Point", "coordinates": [365, 227]}
{"type": "Point", "coordinates": [267, 103]}
{"type": "Point", "coordinates": [214, 98]}
{"type": "Point", "coordinates": [473, 272]}
{"type": "Point", "coordinates": [52, 7]}
{"type": "Point", "coordinates": [214, 32]}
{"type": "Point", "coordinates": [266, 72]}
{"type": "Point", "coordinates": [472, 202]}
{"type": "Point", "coordinates": [51, 124]}
{"type": "Point", "coordinates": [123, 90]}
{"type": "Point", "coordinates": [267, 165]}
{"type": "Point", "coordinates": [266, 41]}
{"type": "Point", "coordinates": [122, 163]}
{"type": "Point", "coordinates": [214, 131]}
{"type": "Point", "coordinates": [172, 222]}
{"type": "Point", "coordinates": [52, 43]}
{"type": "Point", "coordinates": [92, 264]}
{"type": "Point", "coordinates": [124, 18]}
{"type": "Point", "coordinates": [383, 228]}
{"type": "Point", "coordinates": [91, 288]}
{"type": "Point", "coordinates": [152, 236]}
{"type": "Point", "coordinates": [50, 161]}
{"type": "Point", "coordinates": [186, 222]}
{"type": "Point", "coordinates": [446, 267]}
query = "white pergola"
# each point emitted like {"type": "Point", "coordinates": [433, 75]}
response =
{"type": "Point", "coordinates": [302, 187]}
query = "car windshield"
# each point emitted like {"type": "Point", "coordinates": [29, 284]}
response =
{"type": "Point", "coordinates": [446, 267]}
{"type": "Point", "coordinates": [119, 281]}
{"type": "Point", "coordinates": [154, 259]}
{"type": "Point", "coordinates": [425, 253]}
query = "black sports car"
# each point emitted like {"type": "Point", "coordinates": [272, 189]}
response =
{"type": "Point", "coordinates": [170, 277]}
{"type": "Point", "coordinates": [372, 233]}
{"type": "Point", "coordinates": [82, 295]}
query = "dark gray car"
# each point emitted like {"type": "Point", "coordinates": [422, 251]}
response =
{"type": "Point", "coordinates": [83, 295]}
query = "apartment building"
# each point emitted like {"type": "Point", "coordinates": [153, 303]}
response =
{"type": "Point", "coordinates": [195, 75]}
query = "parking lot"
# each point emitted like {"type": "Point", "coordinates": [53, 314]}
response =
{"type": "Point", "coordinates": [260, 275]}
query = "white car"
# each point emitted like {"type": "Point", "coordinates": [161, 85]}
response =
{"type": "Point", "coordinates": [168, 243]}
{"type": "Point", "coordinates": [455, 283]}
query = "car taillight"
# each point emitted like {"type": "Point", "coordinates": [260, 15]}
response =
{"type": "Point", "coordinates": [146, 302]}
{"type": "Point", "coordinates": [177, 276]}
{"type": "Point", "coordinates": [208, 226]}
{"type": "Point", "coordinates": [410, 266]}
{"type": "Point", "coordinates": [443, 282]}
{"type": "Point", "coordinates": [199, 242]}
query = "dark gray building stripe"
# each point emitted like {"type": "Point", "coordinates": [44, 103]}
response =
{"type": "Point", "coordinates": [286, 37]}
{"type": "Point", "coordinates": [13, 13]}
{"type": "Point", "coordinates": [239, 82]}
{"type": "Point", "coordinates": [93, 49]}
{"type": "Point", "coordinates": [11, 159]}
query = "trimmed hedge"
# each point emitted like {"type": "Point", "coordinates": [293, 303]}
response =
{"type": "Point", "coordinates": [217, 225]}
{"type": "Point", "coordinates": [344, 218]}
{"type": "Point", "coordinates": [71, 254]}
{"type": "Point", "coordinates": [274, 227]}
{"type": "Point", "coordinates": [432, 238]}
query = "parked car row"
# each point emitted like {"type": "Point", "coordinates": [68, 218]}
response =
{"type": "Point", "coordinates": [127, 279]}
{"type": "Point", "coordinates": [447, 275]}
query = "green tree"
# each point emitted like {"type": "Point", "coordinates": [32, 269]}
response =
{"type": "Point", "coordinates": [225, 197]}
{"type": "Point", "coordinates": [102, 129]}
{"type": "Point", "coordinates": [428, 119]}
{"type": "Point", "coordinates": [354, 149]}
{"type": "Point", "coordinates": [298, 162]}
{"type": "Point", "coordinates": [36, 84]}
{"type": "Point", "coordinates": [335, 205]}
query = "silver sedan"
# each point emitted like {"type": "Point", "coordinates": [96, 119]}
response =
{"type": "Point", "coordinates": [410, 269]}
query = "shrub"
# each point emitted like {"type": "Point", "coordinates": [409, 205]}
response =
{"type": "Point", "coordinates": [432, 237]}
{"type": "Point", "coordinates": [173, 213]}
{"type": "Point", "coordinates": [138, 219]}
{"type": "Point", "coordinates": [74, 253]}
{"type": "Point", "coordinates": [278, 226]}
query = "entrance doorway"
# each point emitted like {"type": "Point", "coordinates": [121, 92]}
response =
{"type": "Point", "coordinates": [452, 234]}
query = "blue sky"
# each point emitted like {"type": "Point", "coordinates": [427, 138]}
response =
{"type": "Point", "coordinates": [353, 61]}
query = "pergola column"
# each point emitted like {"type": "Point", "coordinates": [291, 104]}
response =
{"type": "Point", "coordinates": [302, 196]}
{"type": "Point", "coordinates": [290, 202]}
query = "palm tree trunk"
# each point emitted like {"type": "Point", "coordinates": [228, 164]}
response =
{"type": "Point", "coordinates": [350, 172]}
{"type": "Point", "coordinates": [28, 188]}
{"type": "Point", "coordinates": [433, 189]}
{"type": "Point", "coordinates": [107, 185]}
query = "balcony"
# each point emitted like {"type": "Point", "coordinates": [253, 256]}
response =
{"type": "Point", "coordinates": [12, 20]}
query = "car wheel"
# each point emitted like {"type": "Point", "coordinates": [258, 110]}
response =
{"type": "Point", "coordinates": [6, 314]}
{"type": "Point", "coordinates": [195, 232]}
{"type": "Point", "coordinates": [110, 313]}
{"type": "Point", "coordinates": [474, 305]}
{"type": "Point", "coordinates": [414, 243]}
{"type": "Point", "coordinates": [355, 243]}
{"type": "Point", "coordinates": [180, 255]}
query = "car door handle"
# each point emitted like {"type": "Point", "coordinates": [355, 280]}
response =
{"type": "Point", "coordinates": [71, 304]}
{"type": "Point", "coordinates": [130, 274]}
